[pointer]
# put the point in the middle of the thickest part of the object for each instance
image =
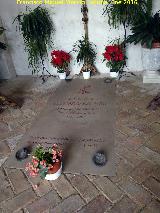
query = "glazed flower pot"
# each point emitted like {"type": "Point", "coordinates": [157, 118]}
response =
{"type": "Point", "coordinates": [62, 76]}
{"type": "Point", "coordinates": [154, 45]}
{"type": "Point", "coordinates": [54, 172]}
{"type": "Point", "coordinates": [113, 74]}
{"type": "Point", "coordinates": [86, 75]}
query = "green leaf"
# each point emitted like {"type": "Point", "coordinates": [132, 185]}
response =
{"type": "Point", "coordinates": [124, 13]}
{"type": "Point", "coordinates": [37, 28]}
{"type": "Point", "coordinates": [43, 173]}
{"type": "Point", "coordinates": [146, 31]}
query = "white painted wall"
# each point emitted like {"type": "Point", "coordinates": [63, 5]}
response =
{"type": "Point", "coordinates": [69, 29]}
{"type": "Point", "coordinates": [7, 69]}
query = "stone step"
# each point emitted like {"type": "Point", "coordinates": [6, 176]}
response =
{"type": "Point", "coordinates": [151, 77]}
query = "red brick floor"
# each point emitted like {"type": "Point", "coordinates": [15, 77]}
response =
{"type": "Point", "coordinates": [136, 186]}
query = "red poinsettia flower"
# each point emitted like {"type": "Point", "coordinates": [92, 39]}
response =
{"type": "Point", "coordinates": [117, 48]}
{"type": "Point", "coordinates": [110, 49]}
{"type": "Point", "coordinates": [113, 53]}
{"type": "Point", "coordinates": [60, 59]}
{"type": "Point", "coordinates": [107, 56]}
{"type": "Point", "coordinates": [121, 56]}
{"type": "Point", "coordinates": [114, 56]}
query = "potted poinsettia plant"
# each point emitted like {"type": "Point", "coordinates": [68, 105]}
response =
{"type": "Point", "coordinates": [46, 162]}
{"type": "Point", "coordinates": [116, 59]}
{"type": "Point", "coordinates": [60, 60]}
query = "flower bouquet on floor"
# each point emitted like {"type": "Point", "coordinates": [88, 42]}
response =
{"type": "Point", "coordinates": [116, 60]}
{"type": "Point", "coordinates": [46, 162]}
{"type": "Point", "coordinates": [60, 60]}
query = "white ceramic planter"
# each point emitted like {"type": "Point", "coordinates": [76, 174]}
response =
{"type": "Point", "coordinates": [55, 175]}
{"type": "Point", "coordinates": [62, 76]}
{"type": "Point", "coordinates": [86, 75]}
{"type": "Point", "coordinates": [114, 74]}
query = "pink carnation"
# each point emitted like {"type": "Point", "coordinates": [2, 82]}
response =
{"type": "Point", "coordinates": [43, 163]}
{"type": "Point", "coordinates": [35, 162]}
{"type": "Point", "coordinates": [54, 152]}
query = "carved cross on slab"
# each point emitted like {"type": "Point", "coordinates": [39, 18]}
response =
{"type": "Point", "coordinates": [85, 90]}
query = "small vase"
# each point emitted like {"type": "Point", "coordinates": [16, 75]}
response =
{"type": "Point", "coordinates": [55, 172]}
{"type": "Point", "coordinates": [86, 75]}
{"type": "Point", "coordinates": [62, 75]}
{"type": "Point", "coordinates": [156, 45]}
{"type": "Point", "coordinates": [113, 74]}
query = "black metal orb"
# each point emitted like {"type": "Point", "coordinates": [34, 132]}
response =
{"type": "Point", "coordinates": [22, 153]}
{"type": "Point", "coordinates": [100, 158]}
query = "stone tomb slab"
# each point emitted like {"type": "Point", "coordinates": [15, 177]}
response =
{"type": "Point", "coordinates": [80, 118]}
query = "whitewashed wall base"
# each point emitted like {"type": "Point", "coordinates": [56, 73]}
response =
{"type": "Point", "coordinates": [151, 77]}
{"type": "Point", "coordinates": [151, 59]}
